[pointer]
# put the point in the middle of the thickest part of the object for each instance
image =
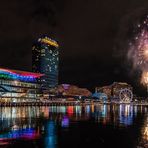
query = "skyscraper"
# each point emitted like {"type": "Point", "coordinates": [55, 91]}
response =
{"type": "Point", "coordinates": [45, 60]}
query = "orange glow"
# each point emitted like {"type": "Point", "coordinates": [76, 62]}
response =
{"type": "Point", "coordinates": [50, 42]}
{"type": "Point", "coordinates": [144, 79]}
{"type": "Point", "coordinates": [146, 53]}
{"type": "Point", "coordinates": [92, 108]}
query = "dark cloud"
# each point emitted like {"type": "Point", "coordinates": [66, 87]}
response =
{"type": "Point", "coordinates": [21, 23]}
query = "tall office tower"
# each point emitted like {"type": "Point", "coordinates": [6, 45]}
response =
{"type": "Point", "coordinates": [45, 60]}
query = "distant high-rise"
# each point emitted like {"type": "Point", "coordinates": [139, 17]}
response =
{"type": "Point", "coordinates": [45, 60]}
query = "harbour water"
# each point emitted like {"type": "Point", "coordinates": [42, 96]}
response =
{"type": "Point", "coordinates": [103, 126]}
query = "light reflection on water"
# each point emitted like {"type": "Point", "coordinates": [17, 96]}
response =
{"type": "Point", "coordinates": [50, 135]}
{"type": "Point", "coordinates": [144, 133]}
{"type": "Point", "coordinates": [43, 123]}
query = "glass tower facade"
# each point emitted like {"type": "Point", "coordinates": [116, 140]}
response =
{"type": "Point", "coordinates": [45, 60]}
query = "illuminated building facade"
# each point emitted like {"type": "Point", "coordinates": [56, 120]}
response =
{"type": "Point", "coordinates": [45, 60]}
{"type": "Point", "coordinates": [113, 90]}
{"type": "Point", "coordinates": [19, 86]}
{"type": "Point", "coordinates": [105, 89]}
{"type": "Point", "coordinates": [117, 86]}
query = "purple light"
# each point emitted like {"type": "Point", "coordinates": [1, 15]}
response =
{"type": "Point", "coordinates": [65, 121]}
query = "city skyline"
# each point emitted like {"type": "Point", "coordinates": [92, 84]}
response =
{"type": "Point", "coordinates": [93, 43]}
{"type": "Point", "coordinates": [74, 73]}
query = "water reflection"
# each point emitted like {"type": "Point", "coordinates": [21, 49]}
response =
{"type": "Point", "coordinates": [50, 134]}
{"type": "Point", "coordinates": [65, 121]}
{"type": "Point", "coordinates": [126, 114]}
{"type": "Point", "coordinates": [144, 132]}
{"type": "Point", "coordinates": [43, 123]}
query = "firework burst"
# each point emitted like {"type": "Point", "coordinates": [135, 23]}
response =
{"type": "Point", "coordinates": [144, 78]}
{"type": "Point", "coordinates": [138, 49]}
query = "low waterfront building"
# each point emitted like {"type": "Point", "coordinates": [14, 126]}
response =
{"type": "Point", "coordinates": [120, 90]}
{"type": "Point", "coordinates": [100, 96]}
{"type": "Point", "coordinates": [105, 89]}
{"type": "Point", "coordinates": [19, 86]}
{"type": "Point", "coordinates": [73, 90]}
{"type": "Point", "coordinates": [118, 86]}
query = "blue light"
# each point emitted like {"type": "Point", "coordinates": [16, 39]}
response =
{"type": "Point", "coordinates": [10, 75]}
{"type": "Point", "coordinates": [51, 138]}
{"type": "Point", "coordinates": [18, 133]}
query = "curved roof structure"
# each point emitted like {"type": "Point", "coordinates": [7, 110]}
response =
{"type": "Point", "coordinates": [19, 75]}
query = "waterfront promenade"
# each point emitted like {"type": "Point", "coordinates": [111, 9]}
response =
{"type": "Point", "coordinates": [49, 103]}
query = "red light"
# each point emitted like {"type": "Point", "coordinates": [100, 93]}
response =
{"type": "Point", "coordinates": [70, 110]}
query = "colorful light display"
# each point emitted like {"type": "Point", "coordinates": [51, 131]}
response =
{"type": "Point", "coordinates": [28, 133]}
{"type": "Point", "coordinates": [138, 47]}
{"type": "Point", "coordinates": [19, 75]}
{"type": "Point", "coordinates": [139, 50]}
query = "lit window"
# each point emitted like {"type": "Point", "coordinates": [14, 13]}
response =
{"type": "Point", "coordinates": [43, 51]}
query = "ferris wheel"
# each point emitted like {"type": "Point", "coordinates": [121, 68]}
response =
{"type": "Point", "coordinates": [125, 95]}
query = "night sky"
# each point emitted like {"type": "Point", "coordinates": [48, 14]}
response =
{"type": "Point", "coordinates": [92, 35]}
